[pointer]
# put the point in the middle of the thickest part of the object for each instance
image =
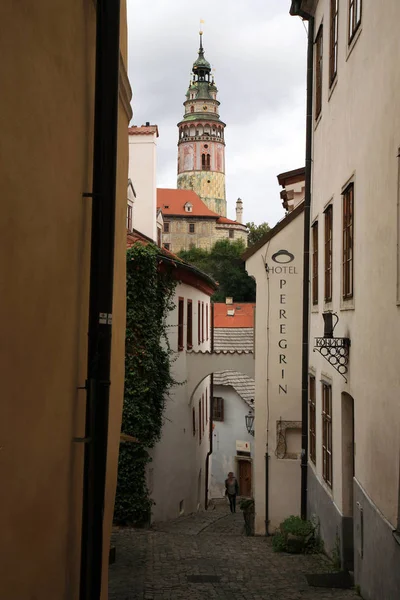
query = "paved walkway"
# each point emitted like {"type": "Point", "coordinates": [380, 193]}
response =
{"type": "Point", "coordinates": [206, 556]}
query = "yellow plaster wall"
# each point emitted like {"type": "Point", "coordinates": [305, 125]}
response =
{"type": "Point", "coordinates": [47, 74]}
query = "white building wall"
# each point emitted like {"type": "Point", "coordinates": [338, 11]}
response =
{"type": "Point", "coordinates": [176, 476]}
{"type": "Point", "coordinates": [225, 434]}
{"type": "Point", "coordinates": [278, 373]}
{"type": "Point", "coordinates": [142, 172]}
{"type": "Point", "coordinates": [357, 139]}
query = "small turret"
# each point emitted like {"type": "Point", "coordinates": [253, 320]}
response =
{"type": "Point", "coordinates": [239, 210]}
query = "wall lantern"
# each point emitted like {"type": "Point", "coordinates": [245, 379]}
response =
{"type": "Point", "coordinates": [250, 422]}
{"type": "Point", "coordinates": [335, 350]}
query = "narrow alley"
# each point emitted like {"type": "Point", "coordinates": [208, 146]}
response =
{"type": "Point", "coordinates": [205, 556]}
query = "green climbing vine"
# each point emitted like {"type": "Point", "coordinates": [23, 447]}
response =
{"type": "Point", "coordinates": [149, 294]}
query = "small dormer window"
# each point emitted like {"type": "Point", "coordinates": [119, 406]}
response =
{"type": "Point", "coordinates": [188, 207]}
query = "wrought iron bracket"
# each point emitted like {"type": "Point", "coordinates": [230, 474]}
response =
{"type": "Point", "coordinates": [335, 351]}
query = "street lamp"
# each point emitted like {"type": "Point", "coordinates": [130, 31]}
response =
{"type": "Point", "coordinates": [250, 422]}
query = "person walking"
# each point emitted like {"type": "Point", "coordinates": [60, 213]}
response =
{"type": "Point", "coordinates": [231, 490]}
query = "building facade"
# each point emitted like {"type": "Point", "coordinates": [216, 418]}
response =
{"type": "Point", "coordinates": [354, 411]}
{"type": "Point", "coordinates": [188, 222]}
{"type": "Point", "coordinates": [233, 401]}
{"type": "Point", "coordinates": [201, 145]}
{"type": "Point", "coordinates": [46, 166]}
{"type": "Point", "coordinates": [276, 263]}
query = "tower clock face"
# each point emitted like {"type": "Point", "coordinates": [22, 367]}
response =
{"type": "Point", "coordinates": [204, 107]}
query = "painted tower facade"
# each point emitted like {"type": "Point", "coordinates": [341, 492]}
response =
{"type": "Point", "coordinates": [201, 145]}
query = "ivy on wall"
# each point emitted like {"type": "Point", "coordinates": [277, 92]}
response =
{"type": "Point", "coordinates": [150, 290]}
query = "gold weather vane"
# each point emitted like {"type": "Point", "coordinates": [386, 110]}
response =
{"type": "Point", "coordinates": [201, 29]}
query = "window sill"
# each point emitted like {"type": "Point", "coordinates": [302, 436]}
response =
{"type": "Point", "coordinates": [317, 121]}
{"type": "Point", "coordinates": [333, 87]}
{"type": "Point", "coordinates": [396, 535]}
{"type": "Point", "coordinates": [353, 42]}
{"type": "Point", "coordinates": [314, 308]}
{"type": "Point", "coordinates": [347, 304]}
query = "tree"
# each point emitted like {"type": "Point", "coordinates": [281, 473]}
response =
{"type": "Point", "coordinates": [224, 264]}
{"type": "Point", "coordinates": [256, 232]}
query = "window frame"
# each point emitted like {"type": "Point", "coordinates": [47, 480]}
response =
{"type": "Point", "coordinates": [189, 326]}
{"type": "Point", "coordinates": [313, 419]}
{"type": "Point", "coordinates": [129, 217]}
{"type": "Point", "coordinates": [333, 41]}
{"type": "Point", "coordinates": [192, 225]}
{"type": "Point", "coordinates": [166, 226]}
{"type": "Point", "coordinates": [318, 71]}
{"type": "Point", "coordinates": [207, 324]}
{"type": "Point", "coordinates": [218, 409]}
{"type": "Point", "coordinates": [194, 421]}
{"type": "Point", "coordinates": [200, 421]}
{"type": "Point", "coordinates": [314, 286]}
{"type": "Point", "coordinates": [202, 322]}
{"type": "Point", "coordinates": [198, 322]}
{"type": "Point", "coordinates": [354, 9]}
{"type": "Point", "coordinates": [327, 457]}
{"type": "Point", "coordinates": [231, 234]}
{"type": "Point", "coordinates": [348, 242]}
{"type": "Point", "coordinates": [328, 253]}
{"type": "Point", "coordinates": [181, 317]}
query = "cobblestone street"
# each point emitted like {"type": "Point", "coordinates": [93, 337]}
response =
{"type": "Point", "coordinates": [207, 556]}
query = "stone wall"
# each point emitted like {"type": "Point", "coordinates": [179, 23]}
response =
{"type": "Point", "coordinates": [210, 186]}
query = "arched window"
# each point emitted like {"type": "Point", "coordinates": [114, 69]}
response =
{"type": "Point", "coordinates": [192, 109]}
{"type": "Point", "coordinates": [205, 162]}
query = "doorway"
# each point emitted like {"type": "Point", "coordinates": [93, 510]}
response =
{"type": "Point", "coordinates": [348, 471]}
{"type": "Point", "coordinates": [244, 468]}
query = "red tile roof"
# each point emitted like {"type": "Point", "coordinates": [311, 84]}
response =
{"type": "Point", "coordinates": [243, 317]}
{"type": "Point", "coordinates": [143, 130]}
{"type": "Point", "coordinates": [172, 203]}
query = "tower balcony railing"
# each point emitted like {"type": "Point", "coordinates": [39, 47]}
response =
{"type": "Point", "coordinates": [204, 137]}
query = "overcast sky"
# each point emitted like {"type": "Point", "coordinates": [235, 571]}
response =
{"type": "Point", "coordinates": [259, 54]}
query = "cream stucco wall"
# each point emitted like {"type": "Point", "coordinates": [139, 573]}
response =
{"type": "Point", "coordinates": [278, 373]}
{"type": "Point", "coordinates": [142, 172]}
{"type": "Point", "coordinates": [47, 75]}
{"type": "Point", "coordinates": [206, 234]}
{"type": "Point", "coordinates": [357, 138]}
{"type": "Point", "coordinates": [177, 471]}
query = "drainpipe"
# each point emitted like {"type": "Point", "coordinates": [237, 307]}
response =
{"type": "Point", "coordinates": [101, 295]}
{"type": "Point", "coordinates": [297, 10]}
{"type": "Point", "coordinates": [211, 413]}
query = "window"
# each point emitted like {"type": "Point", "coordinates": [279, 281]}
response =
{"type": "Point", "coordinates": [312, 419]}
{"type": "Point", "coordinates": [328, 253]}
{"type": "Point", "coordinates": [181, 310]}
{"type": "Point", "coordinates": [199, 322]}
{"type": "Point", "coordinates": [348, 241]}
{"type": "Point", "coordinates": [205, 162]}
{"type": "Point", "coordinates": [318, 73]}
{"type": "Point", "coordinates": [129, 218]}
{"type": "Point", "coordinates": [166, 227]}
{"type": "Point", "coordinates": [333, 42]}
{"type": "Point", "coordinates": [218, 409]}
{"type": "Point", "coordinates": [231, 233]}
{"type": "Point", "coordinates": [199, 421]}
{"type": "Point", "coordinates": [206, 405]}
{"type": "Point", "coordinates": [207, 322]}
{"type": "Point", "coordinates": [315, 263]}
{"type": "Point", "coordinates": [167, 246]}
{"type": "Point", "coordinates": [193, 421]}
{"type": "Point", "coordinates": [355, 10]}
{"type": "Point", "coordinates": [192, 108]}
{"type": "Point", "coordinates": [202, 322]}
{"type": "Point", "coordinates": [202, 411]}
{"type": "Point", "coordinates": [191, 228]}
{"type": "Point", "coordinates": [189, 329]}
{"type": "Point", "coordinates": [327, 433]}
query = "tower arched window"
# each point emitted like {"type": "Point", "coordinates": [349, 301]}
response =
{"type": "Point", "coordinates": [192, 109]}
{"type": "Point", "coordinates": [205, 162]}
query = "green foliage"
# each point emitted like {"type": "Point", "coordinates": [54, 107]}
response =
{"type": "Point", "coordinates": [149, 293]}
{"type": "Point", "coordinates": [256, 232]}
{"type": "Point", "coordinates": [296, 536]}
{"type": "Point", "coordinates": [224, 264]}
{"type": "Point", "coordinates": [247, 504]}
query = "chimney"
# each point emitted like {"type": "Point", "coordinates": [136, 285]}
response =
{"type": "Point", "coordinates": [147, 124]}
{"type": "Point", "coordinates": [239, 211]}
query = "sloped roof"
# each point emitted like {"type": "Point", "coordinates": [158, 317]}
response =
{"type": "Point", "coordinates": [233, 338]}
{"type": "Point", "coordinates": [172, 203]}
{"type": "Point", "coordinates": [243, 314]}
{"type": "Point", "coordinates": [143, 130]}
{"type": "Point", "coordinates": [242, 384]}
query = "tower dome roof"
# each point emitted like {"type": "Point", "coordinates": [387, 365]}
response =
{"type": "Point", "coordinates": [201, 62]}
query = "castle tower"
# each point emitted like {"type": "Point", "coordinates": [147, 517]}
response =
{"type": "Point", "coordinates": [201, 146]}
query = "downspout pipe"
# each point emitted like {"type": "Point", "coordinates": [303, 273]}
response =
{"type": "Point", "coordinates": [297, 10]}
{"type": "Point", "coordinates": [210, 451]}
{"type": "Point", "coordinates": [101, 294]}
